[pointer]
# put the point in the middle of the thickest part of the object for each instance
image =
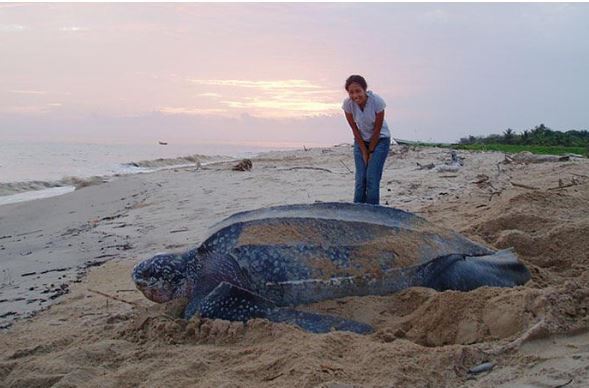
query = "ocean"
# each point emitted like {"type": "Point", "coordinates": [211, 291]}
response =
{"type": "Point", "coordinates": [38, 170]}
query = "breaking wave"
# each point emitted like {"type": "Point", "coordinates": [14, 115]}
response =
{"type": "Point", "coordinates": [171, 162]}
{"type": "Point", "coordinates": [143, 166]}
{"type": "Point", "coordinates": [11, 188]}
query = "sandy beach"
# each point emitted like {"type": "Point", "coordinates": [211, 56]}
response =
{"type": "Point", "coordinates": [58, 254]}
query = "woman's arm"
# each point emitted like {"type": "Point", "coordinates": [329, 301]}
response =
{"type": "Point", "coordinates": [376, 135]}
{"type": "Point", "coordinates": [357, 136]}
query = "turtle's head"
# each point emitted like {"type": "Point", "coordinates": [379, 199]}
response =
{"type": "Point", "coordinates": [163, 277]}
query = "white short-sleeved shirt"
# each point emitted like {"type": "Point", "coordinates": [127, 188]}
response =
{"type": "Point", "coordinates": [365, 118]}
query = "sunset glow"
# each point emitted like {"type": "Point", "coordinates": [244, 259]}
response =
{"type": "Point", "coordinates": [275, 72]}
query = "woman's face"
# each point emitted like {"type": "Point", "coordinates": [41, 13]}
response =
{"type": "Point", "coordinates": [357, 94]}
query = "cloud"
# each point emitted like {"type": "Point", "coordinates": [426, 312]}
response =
{"type": "Point", "coordinates": [74, 29]}
{"type": "Point", "coordinates": [25, 110]}
{"type": "Point", "coordinates": [272, 98]}
{"type": "Point", "coordinates": [12, 28]}
{"type": "Point", "coordinates": [190, 111]}
{"type": "Point", "coordinates": [13, 5]}
{"type": "Point", "coordinates": [28, 91]}
{"type": "Point", "coordinates": [288, 106]}
{"type": "Point", "coordinates": [210, 95]}
{"type": "Point", "coordinates": [265, 85]}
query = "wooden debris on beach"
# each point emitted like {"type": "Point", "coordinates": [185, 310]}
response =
{"type": "Point", "coordinates": [425, 166]}
{"type": "Point", "coordinates": [526, 157]}
{"type": "Point", "coordinates": [244, 165]}
{"type": "Point", "coordinates": [516, 184]}
{"type": "Point", "coordinates": [400, 152]}
{"type": "Point", "coordinates": [307, 168]}
{"type": "Point", "coordinates": [481, 178]}
{"type": "Point", "coordinates": [181, 230]}
{"type": "Point", "coordinates": [562, 185]}
{"type": "Point", "coordinates": [538, 330]}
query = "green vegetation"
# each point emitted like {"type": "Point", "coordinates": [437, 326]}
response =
{"type": "Point", "coordinates": [540, 140]}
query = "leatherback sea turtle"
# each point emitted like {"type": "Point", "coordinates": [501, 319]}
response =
{"type": "Point", "coordinates": [260, 263]}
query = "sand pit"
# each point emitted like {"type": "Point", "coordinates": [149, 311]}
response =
{"type": "Point", "coordinates": [535, 335]}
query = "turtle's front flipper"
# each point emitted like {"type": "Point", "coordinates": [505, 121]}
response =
{"type": "Point", "coordinates": [234, 303]}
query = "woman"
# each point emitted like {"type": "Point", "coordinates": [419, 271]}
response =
{"type": "Point", "coordinates": [365, 114]}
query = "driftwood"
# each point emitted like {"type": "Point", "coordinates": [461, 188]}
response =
{"type": "Point", "coordinates": [493, 193]}
{"type": "Point", "coordinates": [481, 178]}
{"type": "Point", "coordinates": [523, 186]}
{"type": "Point", "coordinates": [581, 175]}
{"type": "Point", "coordinates": [244, 165]}
{"type": "Point", "coordinates": [425, 166]}
{"type": "Point", "coordinates": [565, 384]}
{"type": "Point", "coordinates": [307, 168]}
{"type": "Point", "coordinates": [179, 230]}
{"type": "Point", "coordinates": [562, 185]}
{"type": "Point", "coordinates": [536, 331]}
{"type": "Point", "coordinates": [342, 162]}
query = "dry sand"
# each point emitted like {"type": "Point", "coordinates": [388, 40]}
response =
{"type": "Point", "coordinates": [535, 335]}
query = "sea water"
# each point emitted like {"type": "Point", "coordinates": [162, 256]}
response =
{"type": "Point", "coordinates": [37, 170]}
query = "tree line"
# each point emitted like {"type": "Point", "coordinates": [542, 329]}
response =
{"type": "Point", "coordinates": [540, 135]}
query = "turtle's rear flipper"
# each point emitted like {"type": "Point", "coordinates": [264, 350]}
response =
{"type": "Point", "coordinates": [234, 303]}
{"type": "Point", "coordinates": [317, 323]}
{"type": "Point", "coordinates": [464, 273]}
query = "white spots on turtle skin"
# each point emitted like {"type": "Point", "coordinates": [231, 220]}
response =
{"type": "Point", "coordinates": [231, 308]}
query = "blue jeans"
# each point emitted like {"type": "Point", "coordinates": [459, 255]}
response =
{"type": "Point", "coordinates": [368, 177]}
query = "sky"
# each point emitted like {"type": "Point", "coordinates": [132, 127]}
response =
{"type": "Point", "coordinates": [274, 73]}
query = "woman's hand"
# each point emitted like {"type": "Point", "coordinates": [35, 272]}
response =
{"type": "Point", "coordinates": [365, 155]}
{"type": "Point", "coordinates": [358, 138]}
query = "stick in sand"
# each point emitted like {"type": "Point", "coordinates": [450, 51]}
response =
{"type": "Point", "coordinates": [128, 302]}
{"type": "Point", "coordinates": [523, 186]}
{"type": "Point", "coordinates": [342, 162]}
{"type": "Point", "coordinates": [115, 298]}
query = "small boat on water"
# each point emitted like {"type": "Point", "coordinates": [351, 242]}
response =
{"type": "Point", "coordinates": [162, 143]}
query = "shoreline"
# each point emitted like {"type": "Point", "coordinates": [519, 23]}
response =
{"type": "Point", "coordinates": [79, 183]}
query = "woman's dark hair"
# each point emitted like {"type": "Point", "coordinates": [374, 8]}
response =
{"type": "Point", "coordinates": [357, 79]}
